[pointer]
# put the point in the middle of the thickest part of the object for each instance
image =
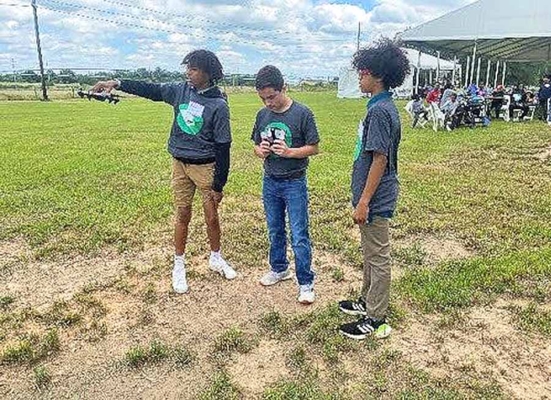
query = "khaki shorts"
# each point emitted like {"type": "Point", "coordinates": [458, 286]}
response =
{"type": "Point", "coordinates": [187, 177]}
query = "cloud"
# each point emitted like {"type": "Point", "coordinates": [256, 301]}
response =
{"type": "Point", "coordinates": [310, 37]}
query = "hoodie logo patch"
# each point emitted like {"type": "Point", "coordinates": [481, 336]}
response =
{"type": "Point", "coordinates": [190, 118]}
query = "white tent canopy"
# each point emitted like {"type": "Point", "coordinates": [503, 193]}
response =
{"type": "Point", "coordinates": [348, 77]}
{"type": "Point", "coordinates": [511, 30]}
{"type": "Point", "coordinates": [427, 61]}
{"type": "Point", "coordinates": [348, 86]}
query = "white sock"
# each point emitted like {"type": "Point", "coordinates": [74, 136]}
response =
{"type": "Point", "coordinates": [179, 259]}
{"type": "Point", "coordinates": [215, 254]}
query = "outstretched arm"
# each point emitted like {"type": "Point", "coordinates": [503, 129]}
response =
{"type": "Point", "coordinates": [152, 91]}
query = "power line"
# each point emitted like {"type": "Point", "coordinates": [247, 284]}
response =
{"type": "Point", "coordinates": [119, 14]}
{"type": "Point", "coordinates": [186, 17]}
{"type": "Point", "coordinates": [133, 25]}
{"type": "Point", "coordinates": [14, 5]}
{"type": "Point", "coordinates": [171, 31]}
{"type": "Point", "coordinates": [252, 31]}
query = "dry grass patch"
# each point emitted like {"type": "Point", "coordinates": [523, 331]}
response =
{"type": "Point", "coordinates": [484, 345]}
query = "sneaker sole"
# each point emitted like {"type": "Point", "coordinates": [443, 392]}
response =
{"type": "Point", "coordinates": [306, 302]}
{"type": "Point", "coordinates": [275, 283]}
{"type": "Point", "coordinates": [180, 291]}
{"type": "Point", "coordinates": [354, 313]}
{"type": "Point", "coordinates": [214, 269]}
{"type": "Point", "coordinates": [355, 337]}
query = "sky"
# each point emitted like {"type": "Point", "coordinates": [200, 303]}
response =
{"type": "Point", "coordinates": [304, 38]}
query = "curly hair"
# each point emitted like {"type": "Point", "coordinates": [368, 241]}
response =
{"type": "Point", "coordinates": [269, 76]}
{"type": "Point", "coordinates": [385, 60]}
{"type": "Point", "coordinates": [206, 61]}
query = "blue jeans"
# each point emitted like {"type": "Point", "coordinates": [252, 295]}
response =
{"type": "Point", "coordinates": [291, 196]}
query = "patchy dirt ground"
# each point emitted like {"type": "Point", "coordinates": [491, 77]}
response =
{"type": "Point", "coordinates": [486, 344]}
{"type": "Point", "coordinates": [436, 249]}
{"type": "Point", "coordinates": [141, 307]}
{"type": "Point", "coordinates": [544, 155]}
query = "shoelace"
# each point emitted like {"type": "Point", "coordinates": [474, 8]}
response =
{"type": "Point", "coordinates": [366, 326]}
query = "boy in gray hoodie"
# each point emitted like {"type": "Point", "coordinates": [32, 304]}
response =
{"type": "Point", "coordinates": [199, 144]}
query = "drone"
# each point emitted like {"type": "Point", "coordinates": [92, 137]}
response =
{"type": "Point", "coordinates": [111, 98]}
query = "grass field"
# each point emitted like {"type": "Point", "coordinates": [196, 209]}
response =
{"type": "Point", "coordinates": [86, 308]}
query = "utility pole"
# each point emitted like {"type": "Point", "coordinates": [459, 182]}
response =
{"type": "Point", "coordinates": [13, 69]}
{"type": "Point", "coordinates": [358, 39]}
{"type": "Point", "coordinates": [40, 63]}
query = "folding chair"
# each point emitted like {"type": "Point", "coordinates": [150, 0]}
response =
{"type": "Point", "coordinates": [516, 115]}
{"type": "Point", "coordinates": [504, 111]}
{"type": "Point", "coordinates": [409, 109]}
{"type": "Point", "coordinates": [437, 116]}
{"type": "Point", "coordinates": [531, 112]}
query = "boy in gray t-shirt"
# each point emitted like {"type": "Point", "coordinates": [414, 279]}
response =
{"type": "Point", "coordinates": [375, 184]}
{"type": "Point", "coordinates": [285, 135]}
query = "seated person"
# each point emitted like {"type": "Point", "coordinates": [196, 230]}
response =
{"type": "Point", "coordinates": [477, 105]}
{"type": "Point", "coordinates": [448, 90]}
{"type": "Point", "coordinates": [418, 109]}
{"type": "Point", "coordinates": [434, 95]}
{"type": "Point", "coordinates": [529, 99]}
{"type": "Point", "coordinates": [452, 117]}
{"type": "Point", "coordinates": [472, 89]}
{"type": "Point", "coordinates": [497, 100]}
{"type": "Point", "coordinates": [482, 91]}
{"type": "Point", "coordinates": [518, 97]}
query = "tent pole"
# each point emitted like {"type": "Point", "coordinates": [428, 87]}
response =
{"type": "Point", "coordinates": [504, 72]}
{"type": "Point", "coordinates": [488, 73]}
{"type": "Point", "coordinates": [418, 73]}
{"type": "Point", "coordinates": [478, 72]}
{"type": "Point", "coordinates": [467, 71]}
{"type": "Point", "coordinates": [454, 67]}
{"type": "Point", "coordinates": [471, 76]}
{"type": "Point", "coordinates": [438, 67]}
{"type": "Point", "coordinates": [497, 74]}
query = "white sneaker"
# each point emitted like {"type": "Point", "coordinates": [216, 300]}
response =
{"type": "Point", "coordinates": [306, 294]}
{"type": "Point", "coordinates": [218, 264]}
{"type": "Point", "coordinates": [271, 278]}
{"type": "Point", "coordinates": [179, 283]}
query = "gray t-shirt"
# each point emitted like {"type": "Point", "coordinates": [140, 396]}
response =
{"type": "Point", "coordinates": [380, 132]}
{"type": "Point", "coordinates": [297, 127]}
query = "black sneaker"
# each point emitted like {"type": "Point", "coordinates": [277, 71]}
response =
{"type": "Point", "coordinates": [353, 307]}
{"type": "Point", "coordinates": [365, 327]}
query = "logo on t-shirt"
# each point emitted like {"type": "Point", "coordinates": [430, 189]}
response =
{"type": "Point", "coordinates": [358, 149]}
{"type": "Point", "coordinates": [277, 130]}
{"type": "Point", "coordinates": [190, 118]}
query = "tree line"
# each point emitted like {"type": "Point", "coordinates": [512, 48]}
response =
{"type": "Point", "coordinates": [68, 76]}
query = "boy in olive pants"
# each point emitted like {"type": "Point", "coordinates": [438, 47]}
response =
{"type": "Point", "coordinates": [375, 184]}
